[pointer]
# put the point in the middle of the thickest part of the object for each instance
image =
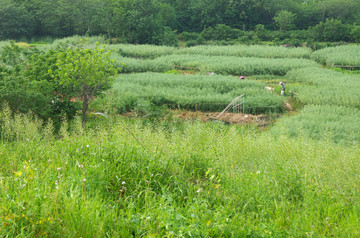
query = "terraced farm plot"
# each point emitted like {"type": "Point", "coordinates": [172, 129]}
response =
{"type": "Point", "coordinates": [205, 93]}
{"type": "Point", "coordinates": [335, 123]}
{"type": "Point", "coordinates": [258, 51]}
{"type": "Point", "coordinates": [346, 55]}
{"type": "Point", "coordinates": [224, 65]}
{"type": "Point", "coordinates": [326, 87]}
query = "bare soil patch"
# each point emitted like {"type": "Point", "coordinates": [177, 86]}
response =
{"type": "Point", "coordinates": [228, 117]}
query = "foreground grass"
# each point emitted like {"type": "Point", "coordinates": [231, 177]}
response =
{"type": "Point", "coordinates": [125, 178]}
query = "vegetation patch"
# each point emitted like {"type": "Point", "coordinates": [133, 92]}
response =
{"type": "Point", "coordinates": [195, 92]}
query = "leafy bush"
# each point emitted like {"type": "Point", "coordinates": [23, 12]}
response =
{"type": "Point", "coordinates": [331, 30]}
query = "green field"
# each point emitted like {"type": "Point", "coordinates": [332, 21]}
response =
{"type": "Point", "coordinates": [154, 175]}
{"type": "Point", "coordinates": [190, 179]}
{"type": "Point", "coordinates": [346, 55]}
{"type": "Point", "coordinates": [200, 92]}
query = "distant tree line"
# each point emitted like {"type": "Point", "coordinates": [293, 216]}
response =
{"type": "Point", "coordinates": [161, 21]}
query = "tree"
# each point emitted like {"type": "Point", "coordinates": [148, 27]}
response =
{"type": "Point", "coordinates": [285, 20]}
{"type": "Point", "coordinates": [355, 33]}
{"type": "Point", "coordinates": [15, 21]}
{"type": "Point", "coordinates": [88, 70]}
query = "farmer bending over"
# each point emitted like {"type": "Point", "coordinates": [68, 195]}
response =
{"type": "Point", "coordinates": [283, 88]}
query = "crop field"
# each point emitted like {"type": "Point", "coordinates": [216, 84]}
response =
{"type": "Point", "coordinates": [347, 55]}
{"type": "Point", "coordinates": [335, 123]}
{"type": "Point", "coordinates": [142, 51]}
{"type": "Point", "coordinates": [247, 51]}
{"type": "Point", "coordinates": [152, 52]}
{"type": "Point", "coordinates": [231, 65]}
{"type": "Point", "coordinates": [224, 65]}
{"type": "Point", "coordinates": [201, 92]}
{"type": "Point", "coordinates": [327, 87]}
{"type": "Point", "coordinates": [132, 65]}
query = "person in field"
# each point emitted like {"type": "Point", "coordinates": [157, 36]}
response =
{"type": "Point", "coordinates": [283, 88]}
{"type": "Point", "coordinates": [242, 77]}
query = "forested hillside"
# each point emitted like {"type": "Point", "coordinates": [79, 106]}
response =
{"type": "Point", "coordinates": [162, 21]}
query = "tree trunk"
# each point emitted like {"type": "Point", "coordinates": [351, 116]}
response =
{"type": "Point", "coordinates": [84, 109]}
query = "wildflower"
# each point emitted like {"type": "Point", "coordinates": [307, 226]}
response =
{"type": "Point", "coordinates": [18, 173]}
{"type": "Point", "coordinates": [148, 218]}
{"type": "Point", "coordinates": [123, 183]}
{"type": "Point", "coordinates": [49, 160]}
{"type": "Point", "coordinates": [58, 169]}
{"type": "Point", "coordinates": [81, 166]}
{"type": "Point", "coordinates": [84, 180]}
{"type": "Point", "coordinates": [326, 219]}
{"type": "Point", "coordinates": [198, 191]}
{"type": "Point", "coordinates": [258, 172]}
{"type": "Point", "coordinates": [87, 146]}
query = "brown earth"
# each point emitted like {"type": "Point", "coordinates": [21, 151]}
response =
{"type": "Point", "coordinates": [228, 117]}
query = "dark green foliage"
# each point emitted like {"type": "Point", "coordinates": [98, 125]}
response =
{"type": "Point", "coordinates": [22, 93]}
{"type": "Point", "coordinates": [355, 33]}
{"type": "Point", "coordinates": [146, 21]}
{"type": "Point", "coordinates": [15, 21]}
{"type": "Point", "coordinates": [331, 30]}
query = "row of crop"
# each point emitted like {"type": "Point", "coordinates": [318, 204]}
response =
{"type": "Point", "coordinates": [224, 65]}
{"type": "Point", "coordinates": [260, 51]}
{"type": "Point", "coordinates": [132, 65]}
{"type": "Point", "coordinates": [205, 93]}
{"type": "Point", "coordinates": [346, 55]}
{"type": "Point", "coordinates": [231, 65]}
{"type": "Point", "coordinates": [336, 123]}
{"type": "Point", "coordinates": [332, 105]}
{"type": "Point", "coordinates": [326, 87]}
{"type": "Point", "coordinates": [151, 51]}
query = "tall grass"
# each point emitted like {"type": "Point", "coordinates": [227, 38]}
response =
{"type": "Point", "coordinates": [258, 51]}
{"type": "Point", "coordinates": [206, 93]}
{"type": "Point", "coordinates": [345, 55]}
{"type": "Point", "coordinates": [205, 180]}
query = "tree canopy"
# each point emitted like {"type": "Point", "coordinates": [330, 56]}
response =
{"type": "Point", "coordinates": [149, 21]}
